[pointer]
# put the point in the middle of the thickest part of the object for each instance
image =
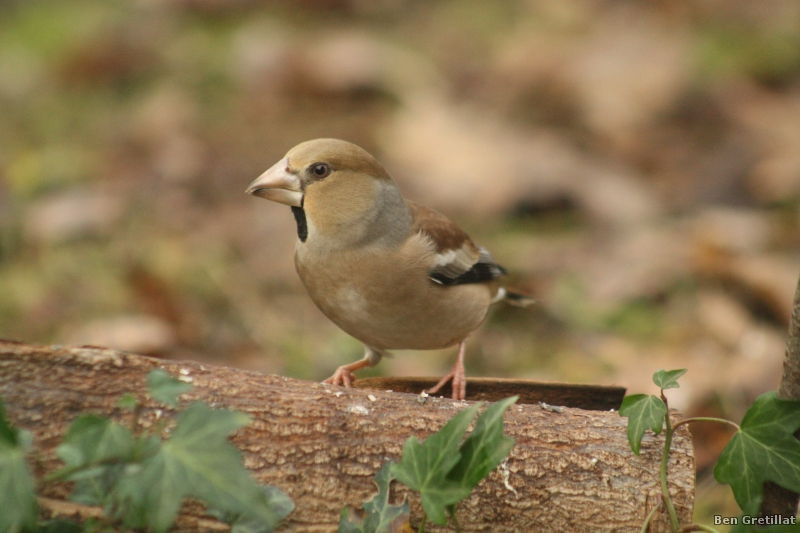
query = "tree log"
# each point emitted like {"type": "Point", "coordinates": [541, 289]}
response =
{"type": "Point", "coordinates": [571, 470]}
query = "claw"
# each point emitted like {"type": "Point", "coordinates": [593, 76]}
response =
{"type": "Point", "coordinates": [344, 374]}
{"type": "Point", "coordinates": [342, 377]}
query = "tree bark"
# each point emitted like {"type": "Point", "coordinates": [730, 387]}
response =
{"type": "Point", "coordinates": [571, 469]}
{"type": "Point", "coordinates": [778, 500]}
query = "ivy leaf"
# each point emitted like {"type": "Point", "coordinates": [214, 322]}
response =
{"type": "Point", "coordinates": [92, 487]}
{"type": "Point", "coordinates": [61, 526]}
{"type": "Point", "coordinates": [165, 388]}
{"type": "Point", "coordinates": [485, 448]}
{"type": "Point", "coordinates": [668, 379]}
{"type": "Point", "coordinates": [764, 450]}
{"type": "Point", "coordinates": [197, 461]}
{"type": "Point", "coordinates": [95, 439]}
{"type": "Point", "coordinates": [644, 412]}
{"type": "Point", "coordinates": [281, 504]}
{"type": "Point", "coordinates": [17, 496]}
{"type": "Point", "coordinates": [348, 523]}
{"type": "Point", "coordinates": [128, 402]}
{"type": "Point", "coordinates": [379, 515]}
{"type": "Point", "coordinates": [8, 435]}
{"type": "Point", "coordinates": [424, 466]}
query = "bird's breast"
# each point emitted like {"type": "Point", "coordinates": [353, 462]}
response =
{"type": "Point", "coordinates": [387, 301]}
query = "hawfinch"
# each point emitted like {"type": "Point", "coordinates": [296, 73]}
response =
{"type": "Point", "coordinates": [388, 271]}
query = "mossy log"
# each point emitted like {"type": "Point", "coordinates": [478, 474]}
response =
{"type": "Point", "coordinates": [571, 469]}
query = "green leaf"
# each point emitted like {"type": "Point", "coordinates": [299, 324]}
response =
{"type": "Point", "coordinates": [17, 496]}
{"type": "Point", "coordinates": [643, 412]}
{"type": "Point", "coordinates": [764, 450]}
{"type": "Point", "coordinates": [197, 461]}
{"type": "Point", "coordinates": [379, 515]}
{"type": "Point", "coordinates": [93, 439]}
{"type": "Point", "coordinates": [61, 526]}
{"type": "Point", "coordinates": [165, 388]}
{"type": "Point", "coordinates": [92, 487]}
{"type": "Point", "coordinates": [668, 379]}
{"type": "Point", "coordinates": [424, 467]}
{"type": "Point", "coordinates": [485, 448]}
{"type": "Point", "coordinates": [348, 523]}
{"type": "Point", "coordinates": [24, 440]}
{"type": "Point", "coordinates": [8, 435]}
{"type": "Point", "coordinates": [281, 504]}
{"type": "Point", "coordinates": [128, 401]}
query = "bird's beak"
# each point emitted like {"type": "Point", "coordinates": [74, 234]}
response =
{"type": "Point", "coordinates": [279, 185]}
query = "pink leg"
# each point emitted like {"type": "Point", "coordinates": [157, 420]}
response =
{"type": "Point", "coordinates": [457, 374]}
{"type": "Point", "coordinates": [344, 374]}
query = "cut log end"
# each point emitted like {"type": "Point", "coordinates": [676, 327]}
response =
{"type": "Point", "coordinates": [589, 397]}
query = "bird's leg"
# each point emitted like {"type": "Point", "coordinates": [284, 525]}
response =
{"type": "Point", "coordinates": [457, 374]}
{"type": "Point", "coordinates": [344, 374]}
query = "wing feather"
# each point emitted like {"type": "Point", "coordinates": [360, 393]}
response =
{"type": "Point", "coordinates": [458, 260]}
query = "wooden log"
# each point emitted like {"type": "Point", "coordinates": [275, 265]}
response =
{"type": "Point", "coordinates": [571, 469]}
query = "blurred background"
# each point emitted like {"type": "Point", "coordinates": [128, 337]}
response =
{"type": "Point", "coordinates": [635, 165]}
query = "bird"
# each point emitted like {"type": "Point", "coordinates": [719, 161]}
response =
{"type": "Point", "coordinates": [388, 271]}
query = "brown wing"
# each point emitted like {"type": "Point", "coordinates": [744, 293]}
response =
{"type": "Point", "coordinates": [458, 259]}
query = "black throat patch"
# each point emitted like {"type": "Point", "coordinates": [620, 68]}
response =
{"type": "Point", "coordinates": [302, 226]}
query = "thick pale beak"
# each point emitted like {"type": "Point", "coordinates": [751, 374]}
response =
{"type": "Point", "coordinates": [279, 185]}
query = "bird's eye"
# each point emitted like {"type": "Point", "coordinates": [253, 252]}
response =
{"type": "Point", "coordinates": [321, 170]}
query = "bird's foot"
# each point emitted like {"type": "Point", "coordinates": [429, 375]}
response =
{"type": "Point", "coordinates": [458, 376]}
{"type": "Point", "coordinates": [344, 374]}
{"type": "Point", "coordinates": [343, 377]}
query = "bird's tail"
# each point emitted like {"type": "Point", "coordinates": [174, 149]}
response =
{"type": "Point", "coordinates": [513, 298]}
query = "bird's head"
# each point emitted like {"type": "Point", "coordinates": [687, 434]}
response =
{"type": "Point", "coordinates": [341, 187]}
{"type": "Point", "coordinates": [328, 166]}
